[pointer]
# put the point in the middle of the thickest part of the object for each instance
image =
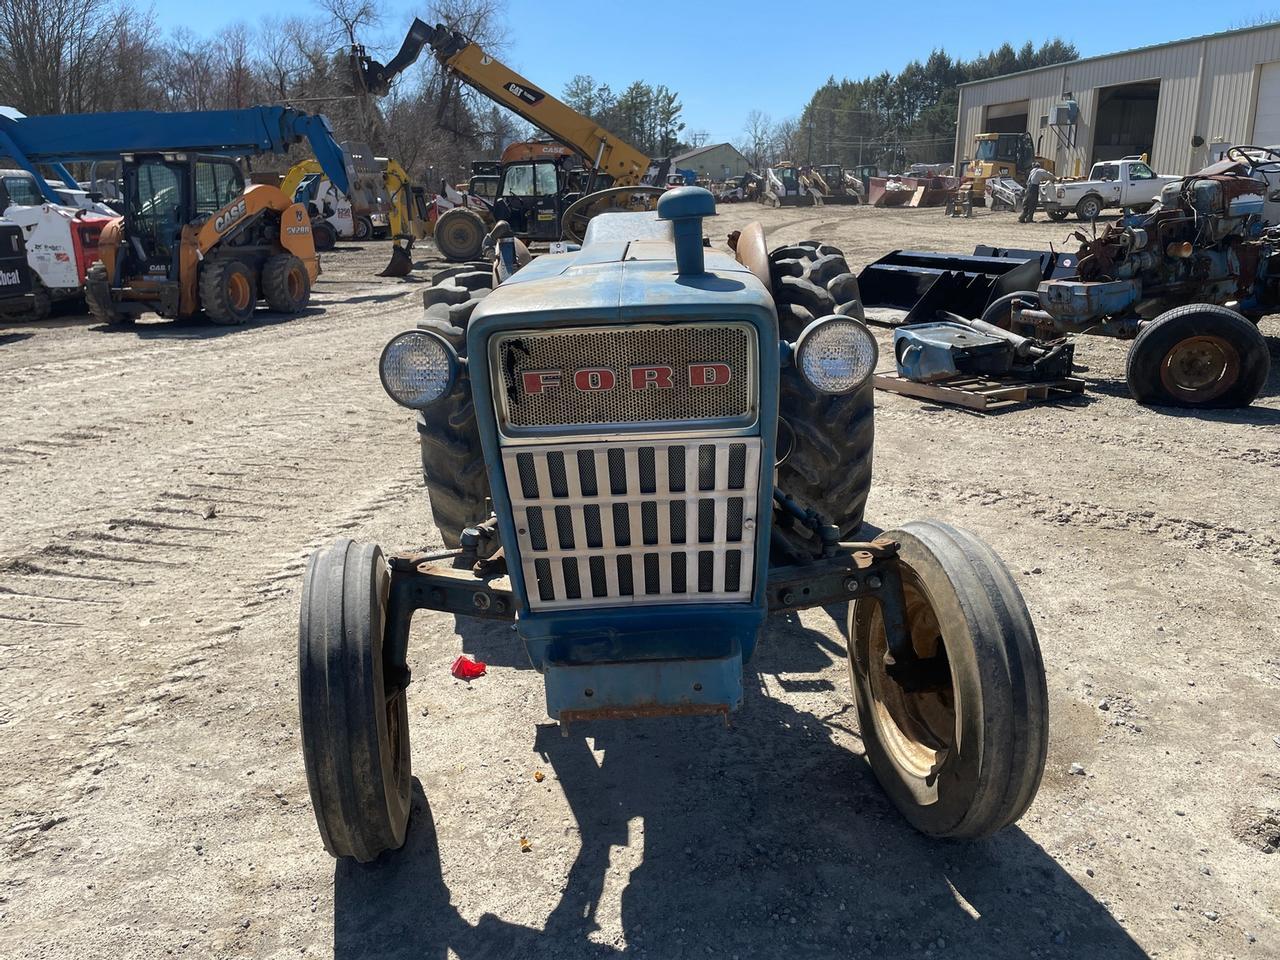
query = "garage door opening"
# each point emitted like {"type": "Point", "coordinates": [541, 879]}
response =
{"type": "Point", "coordinates": [1006, 118]}
{"type": "Point", "coordinates": [1266, 118]}
{"type": "Point", "coordinates": [1126, 124]}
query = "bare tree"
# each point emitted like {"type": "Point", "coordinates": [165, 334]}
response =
{"type": "Point", "coordinates": [279, 57]}
{"type": "Point", "coordinates": [757, 134]}
{"type": "Point", "coordinates": [351, 16]}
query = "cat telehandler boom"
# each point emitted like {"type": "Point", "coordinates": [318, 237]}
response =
{"type": "Point", "coordinates": [192, 236]}
{"type": "Point", "coordinates": [620, 175]}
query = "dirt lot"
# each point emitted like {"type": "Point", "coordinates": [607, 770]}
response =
{"type": "Point", "coordinates": [161, 487]}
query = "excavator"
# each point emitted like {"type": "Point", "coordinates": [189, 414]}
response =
{"type": "Point", "coordinates": [192, 236]}
{"type": "Point", "coordinates": [409, 215]}
{"type": "Point", "coordinates": [620, 176]}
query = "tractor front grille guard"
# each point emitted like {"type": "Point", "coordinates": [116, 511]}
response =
{"type": "Point", "coordinates": [607, 525]}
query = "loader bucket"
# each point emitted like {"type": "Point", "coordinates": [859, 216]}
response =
{"type": "Point", "coordinates": [1054, 265]}
{"type": "Point", "coordinates": [908, 286]}
{"type": "Point", "coordinates": [401, 264]}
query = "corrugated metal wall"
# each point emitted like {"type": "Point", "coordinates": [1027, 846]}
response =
{"type": "Point", "coordinates": [1208, 88]}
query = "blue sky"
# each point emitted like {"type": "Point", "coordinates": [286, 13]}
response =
{"type": "Point", "coordinates": [727, 59]}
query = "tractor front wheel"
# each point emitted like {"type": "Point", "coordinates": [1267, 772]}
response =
{"type": "Point", "coordinates": [962, 753]}
{"type": "Point", "coordinates": [285, 284]}
{"type": "Point", "coordinates": [228, 291]}
{"type": "Point", "coordinates": [355, 719]}
{"type": "Point", "coordinates": [1198, 355]}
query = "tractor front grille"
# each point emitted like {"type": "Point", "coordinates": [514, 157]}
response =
{"type": "Point", "coordinates": [595, 377]}
{"type": "Point", "coordinates": [611, 524]}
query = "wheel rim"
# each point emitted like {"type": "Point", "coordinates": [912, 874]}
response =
{"type": "Point", "coordinates": [1091, 211]}
{"type": "Point", "coordinates": [1200, 369]}
{"type": "Point", "coordinates": [297, 287]}
{"type": "Point", "coordinates": [917, 730]}
{"type": "Point", "coordinates": [394, 701]}
{"type": "Point", "coordinates": [238, 291]}
{"type": "Point", "coordinates": [463, 235]}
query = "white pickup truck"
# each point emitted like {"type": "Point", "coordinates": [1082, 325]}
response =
{"type": "Point", "coordinates": [1127, 183]}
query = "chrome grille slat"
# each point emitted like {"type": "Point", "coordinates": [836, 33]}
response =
{"type": "Point", "coordinates": [645, 565]}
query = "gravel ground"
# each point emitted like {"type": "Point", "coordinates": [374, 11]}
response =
{"type": "Point", "coordinates": [161, 487]}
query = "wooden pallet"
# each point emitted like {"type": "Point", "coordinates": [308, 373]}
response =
{"type": "Point", "coordinates": [980, 393]}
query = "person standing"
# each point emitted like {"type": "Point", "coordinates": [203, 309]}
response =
{"type": "Point", "coordinates": [1035, 178]}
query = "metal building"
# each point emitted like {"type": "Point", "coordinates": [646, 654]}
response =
{"type": "Point", "coordinates": [1184, 103]}
{"type": "Point", "coordinates": [717, 161]}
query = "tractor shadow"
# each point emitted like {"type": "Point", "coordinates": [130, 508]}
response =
{"type": "Point", "coordinates": [492, 642]}
{"type": "Point", "coordinates": [766, 838]}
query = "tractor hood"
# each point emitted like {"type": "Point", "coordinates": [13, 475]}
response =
{"type": "Point", "coordinates": [627, 259]}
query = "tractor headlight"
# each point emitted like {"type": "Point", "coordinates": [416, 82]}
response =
{"type": "Point", "coordinates": [418, 368]}
{"type": "Point", "coordinates": [836, 354]}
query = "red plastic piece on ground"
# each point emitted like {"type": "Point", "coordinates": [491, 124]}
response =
{"type": "Point", "coordinates": [464, 668]}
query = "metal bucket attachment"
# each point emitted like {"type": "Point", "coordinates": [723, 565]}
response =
{"type": "Point", "coordinates": [401, 264]}
{"type": "Point", "coordinates": [908, 286]}
{"type": "Point", "coordinates": [1053, 265]}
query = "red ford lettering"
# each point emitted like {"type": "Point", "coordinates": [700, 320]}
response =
{"type": "Point", "coordinates": [642, 378]}
{"type": "Point", "coordinates": [537, 381]}
{"type": "Point", "coordinates": [709, 374]}
{"type": "Point", "coordinates": [593, 379]}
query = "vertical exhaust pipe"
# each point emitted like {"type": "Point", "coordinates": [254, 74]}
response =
{"type": "Point", "coordinates": [686, 207]}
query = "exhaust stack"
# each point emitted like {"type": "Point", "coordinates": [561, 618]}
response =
{"type": "Point", "coordinates": [686, 207]}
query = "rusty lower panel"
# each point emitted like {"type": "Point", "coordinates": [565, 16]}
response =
{"type": "Point", "coordinates": [643, 710]}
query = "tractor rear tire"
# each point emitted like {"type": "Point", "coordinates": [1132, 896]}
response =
{"type": "Point", "coordinates": [1198, 355]}
{"type": "Point", "coordinates": [453, 467]}
{"type": "Point", "coordinates": [285, 283]}
{"type": "Point", "coordinates": [459, 234]}
{"type": "Point", "coordinates": [964, 758]}
{"type": "Point", "coordinates": [355, 723]}
{"type": "Point", "coordinates": [323, 236]}
{"type": "Point", "coordinates": [97, 297]}
{"type": "Point", "coordinates": [827, 451]}
{"type": "Point", "coordinates": [228, 291]}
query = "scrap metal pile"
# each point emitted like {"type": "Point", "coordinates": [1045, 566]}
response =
{"type": "Point", "coordinates": [1187, 282]}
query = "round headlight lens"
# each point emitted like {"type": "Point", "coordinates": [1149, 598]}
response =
{"type": "Point", "coordinates": [417, 368]}
{"type": "Point", "coordinates": [836, 354]}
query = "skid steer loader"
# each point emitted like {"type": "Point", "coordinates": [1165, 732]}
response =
{"type": "Point", "coordinates": [193, 238]}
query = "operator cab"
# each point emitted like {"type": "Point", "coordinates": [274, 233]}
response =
{"type": "Point", "coordinates": [1015, 148]}
{"type": "Point", "coordinates": [164, 193]}
{"type": "Point", "coordinates": [18, 189]}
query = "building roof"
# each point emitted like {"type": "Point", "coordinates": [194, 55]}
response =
{"type": "Point", "coordinates": [701, 150]}
{"type": "Point", "coordinates": [1274, 25]}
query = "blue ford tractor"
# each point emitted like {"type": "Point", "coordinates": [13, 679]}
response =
{"type": "Point", "coordinates": [636, 452]}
